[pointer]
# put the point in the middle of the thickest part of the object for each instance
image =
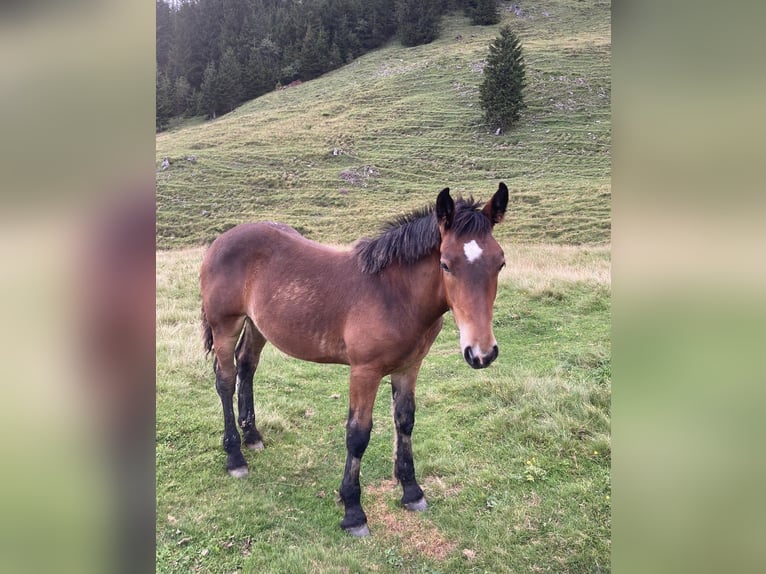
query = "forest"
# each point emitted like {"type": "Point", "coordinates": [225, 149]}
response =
{"type": "Point", "coordinates": [212, 55]}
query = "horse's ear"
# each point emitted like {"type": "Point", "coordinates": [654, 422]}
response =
{"type": "Point", "coordinates": [495, 207]}
{"type": "Point", "coordinates": [445, 209]}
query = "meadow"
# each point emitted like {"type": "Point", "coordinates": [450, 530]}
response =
{"type": "Point", "coordinates": [514, 459]}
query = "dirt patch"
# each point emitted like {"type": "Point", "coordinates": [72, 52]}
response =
{"type": "Point", "coordinates": [413, 532]}
{"type": "Point", "coordinates": [435, 485]}
{"type": "Point", "coordinates": [359, 176]}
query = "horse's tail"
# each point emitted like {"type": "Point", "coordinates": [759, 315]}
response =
{"type": "Point", "coordinates": [207, 333]}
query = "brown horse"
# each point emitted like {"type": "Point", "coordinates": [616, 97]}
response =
{"type": "Point", "coordinates": [377, 308]}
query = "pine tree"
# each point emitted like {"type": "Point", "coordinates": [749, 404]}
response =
{"type": "Point", "coordinates": [485, 12]}
{"type": "Point", "coordinates": [375, 23]}
{"type": "Point", "coordinates": [229, 76]}
{"type": "Point", "coordinates": [208, 99]}
{"type": "Point", "coordinates": [163, 101]}
{"type": "Point", "coordinates": [163, 34]}
{"type": "Point", "coordinates": [501, 93]}
{"type": "Point", "coordinates": [262, 72]}
{"type": "Point", "coordinates": [334, 58]}
{"type": "Point", "coordinates": [345, 40]}
{"type": "Point", "coordinates": [314, 53]}
{"type": "Point", "coordinates": [418, 21]}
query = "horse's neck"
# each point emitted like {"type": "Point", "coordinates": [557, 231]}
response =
{"type": "Point", "coordinates": [424, 285]}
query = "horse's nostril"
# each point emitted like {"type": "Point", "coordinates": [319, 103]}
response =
{"type": "Point", "coordinates": [492, 356]}
{"type": "Point", "coordinates": [472, 359]}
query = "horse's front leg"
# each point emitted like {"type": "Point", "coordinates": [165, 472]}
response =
{"type": "Point", "coordinates": [362, 391]}
{"type": "Point", "coordinates": [403, 409]}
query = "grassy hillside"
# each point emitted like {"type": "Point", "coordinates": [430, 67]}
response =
{"type": "Point", "coordinates": [406, 122]}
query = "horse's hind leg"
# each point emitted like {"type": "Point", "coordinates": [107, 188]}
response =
{"type": "Point", "coordinates": [225, 335]}
{"type": "Point", "coordinates": [248, 354]}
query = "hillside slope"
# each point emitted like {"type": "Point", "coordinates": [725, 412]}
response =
{"type": "Point", "coordinates": [336, 156]}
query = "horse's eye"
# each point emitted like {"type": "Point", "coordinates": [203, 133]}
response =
{"type": "Point", "coordinates": [501, 267]}
{"type": "Point", "coordinates": [445, 267]}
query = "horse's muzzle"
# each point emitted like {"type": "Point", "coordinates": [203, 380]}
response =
{"type": "Point", "coordinates": [480, 362]}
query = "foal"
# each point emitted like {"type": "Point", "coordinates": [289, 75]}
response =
{"type": "Point", "coordinates": [377, 308]}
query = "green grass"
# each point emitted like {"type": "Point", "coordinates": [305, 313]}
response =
{"type": "Point", "coordinates": [514, 459]}
{"type": "Point", "coordinates": [546, 400]}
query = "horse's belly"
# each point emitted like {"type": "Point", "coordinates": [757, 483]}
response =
{"type": "Point", "coordinates": [316, 351]}
{"type": "Point", "coordinates": [303, 309]}
{"type": "Point", "coordinates": [295, 336]}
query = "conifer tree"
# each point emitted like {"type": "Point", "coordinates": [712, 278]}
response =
{"type": "Point", "coordinates": [163, 33]}
{"type": "Point", "coordinates": [485, 12]}
{"type": "Point", "coordinates": [314, 53]}
{"type": "Point", "coordinates": [182, 93]}
{"type": "Point", "coordinates": [262, 71]}
{"type": "Point", "coordinates": [208, 99]}
{"type": "Point", "coordinates": [345, 40]}
{"type": "Point", "coordinates": [163, 101]}
{"type": "Point", "coordinates": [418, 21]}
{"type": "Point", "coordinates": [229, 87]}
{"type": "Point", "coordinates": [501, 93]}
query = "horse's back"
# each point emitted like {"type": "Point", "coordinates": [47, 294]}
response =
{"type": "Point", "coordinates": [283, 281]}
{"type": "Point", "coordinates": [235, 251]}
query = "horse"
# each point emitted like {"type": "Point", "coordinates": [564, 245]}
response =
{"type": "Point", "coordinates": [376, 307]}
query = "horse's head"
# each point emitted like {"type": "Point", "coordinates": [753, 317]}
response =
{"type": "Point", "coordinates": [470, 261]}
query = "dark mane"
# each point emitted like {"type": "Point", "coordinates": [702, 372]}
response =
{"type": "Point", "coordinates": [410, 237]}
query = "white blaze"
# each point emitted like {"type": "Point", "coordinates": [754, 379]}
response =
{"type": "Point", "coordinates": [472, 251]}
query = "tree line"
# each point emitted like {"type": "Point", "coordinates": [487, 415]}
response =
{"type": "Point", "coordinates": [212, 55]}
